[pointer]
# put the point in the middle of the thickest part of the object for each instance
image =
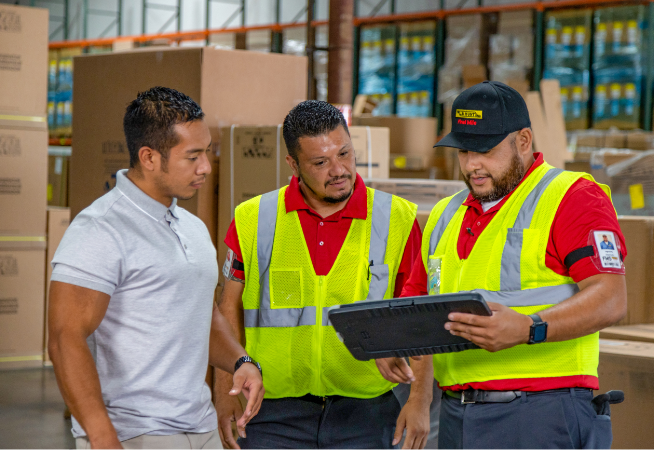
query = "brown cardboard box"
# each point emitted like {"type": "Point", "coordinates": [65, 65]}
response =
{"type": "Point", "coordinates": [399, 161]}
{"type": "Point", "coordinates": [473, 74]}
{"type": "Point", "coordinates": [58, 167]}
{"type": "Point", "coordinates": [602, 158]}
{"type": "Point", "coordinates": [23, 60]}
{"type": "Point", "coordinates": [22, 277]}
{"type": "Point", "coordinates": [558, 150]}
{"type": "Point", "coordinates": [424, 193]}
{"type": "Point", "coordinates": [541, 140]}
{"type": "Point", "coordinates": [421, 174]}
{"type": "Point", "coordinates": [408, 135]}
{"type": "Point", "coordinates": [232, 86]}
{"type": "Point", "coordinates": [513, 22]}
{"type": "Point", "coordinates": [632, 184]}
{"type": "Point", "coordinates": [23, 175]}
{"type": "Point", "coordinates": [640, 140]}
{"type": "Point", "coordinates": [372, 149]}
{"type": "Point", "coordinates": [578, 166]}
{"type": "Point", "coordinates": [58, 221]}
{"type": "Point", "coordinates": [253, 162]}
{"type": "Point", "coordinates": [629, 367]}
{"type": "Point", "coordinates": [642, 333]}
{"type": "Point", "coordinates": [639, 268]}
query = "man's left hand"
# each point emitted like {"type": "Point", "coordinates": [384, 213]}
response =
{"type": "Point", "coordinates": [505, 328]}
{"type": "Point", "coordinates": [247, 379]}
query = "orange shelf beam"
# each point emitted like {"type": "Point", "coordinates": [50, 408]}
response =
{"type": "Point", "coordinates": [60, 141]}
{"type": "Point", "coordinates": [405, 17]}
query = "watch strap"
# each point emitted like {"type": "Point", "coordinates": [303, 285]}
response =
{"type": "Point", "coordinates": [537, 330]}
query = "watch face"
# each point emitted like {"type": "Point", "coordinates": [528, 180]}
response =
{"type": "Point", "coordinates": [540, 332]}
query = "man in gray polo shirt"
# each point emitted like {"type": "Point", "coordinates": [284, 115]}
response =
{"type": "Point", "coordinates": [131, 300]}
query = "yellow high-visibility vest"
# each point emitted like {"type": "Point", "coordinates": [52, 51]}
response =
{"type": "Point", "coordinates": [286, 304]}
{"type": "Point", "coordinates": [507, 266]}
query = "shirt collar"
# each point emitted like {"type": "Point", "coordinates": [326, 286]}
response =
{"type": "Point", "coordinates": [356, 207]}
{"type": "Point", "coordinates": [476, 204]}
{"type": "Point", "coordinates": [142, 200]}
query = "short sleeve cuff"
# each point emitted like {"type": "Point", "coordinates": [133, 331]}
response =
{"type": "Point", "coordinates": [82, 282]}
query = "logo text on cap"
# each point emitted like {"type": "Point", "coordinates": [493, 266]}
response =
{"type": "Point", "coordinates": [468, 114]}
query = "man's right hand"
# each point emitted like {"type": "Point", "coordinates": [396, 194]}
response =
{"type": "Point", "coordinates": [396, 370]}
{"type": "Point", "coordinates": [229, 410]}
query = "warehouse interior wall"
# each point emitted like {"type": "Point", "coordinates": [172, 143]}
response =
{"type": "Point", "coordinates": [100, 22]}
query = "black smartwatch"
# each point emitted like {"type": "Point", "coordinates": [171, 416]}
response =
{"type": "Point", "coordinates": [538, 330]}
{"type": "Point", "coordinates": [246, 359]}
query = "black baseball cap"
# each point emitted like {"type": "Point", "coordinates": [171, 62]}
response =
{"type": "Point", "coordinates": [484, 115]}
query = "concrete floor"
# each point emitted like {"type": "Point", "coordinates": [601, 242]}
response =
{"type": "Point", "coordinates": [32, 411]}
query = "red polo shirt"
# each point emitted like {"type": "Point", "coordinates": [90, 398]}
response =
{"type": "Point", "coordinates": [325, 236]}
{"type": "Point", "coordinates": [584, 208]}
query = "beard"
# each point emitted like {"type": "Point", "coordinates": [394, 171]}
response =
{"type": "Point", "coordinates": [328, 199]}
{"type": "Point", "coordinates": [502, 184]}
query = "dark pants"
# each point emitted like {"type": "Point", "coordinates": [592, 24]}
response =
{"type": "Point", "coordinates": [335, 422]}
{"type": "Point", "coordinates": [556, 419]}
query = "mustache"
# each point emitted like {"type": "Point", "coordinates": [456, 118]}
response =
{"type": "Point", "coordinates": [342, 177]}
{"type": "Point", "coordinates": [469, 175]}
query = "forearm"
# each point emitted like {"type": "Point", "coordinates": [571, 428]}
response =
{"type": "Point", "coordinates": [79, 384]}
{"type": "Point", "coordinates": [225, 348]}
{"type": "Point", "coordinates": [598, 305]}
{"type": "Point", "coordinates": [423, 388]}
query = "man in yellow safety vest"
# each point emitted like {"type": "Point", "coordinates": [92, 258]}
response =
{"type": "Point", "coordinates": [323, 241]}
{"type": "Point", "coordinates": [526, 236]}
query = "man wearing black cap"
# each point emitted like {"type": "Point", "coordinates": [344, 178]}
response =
{"type": "Point", "coordinates": [523, 235]}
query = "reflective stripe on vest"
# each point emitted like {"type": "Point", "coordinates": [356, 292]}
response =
{"type": "Point", "coordinates": [510, 293]}
{"type": "Point", "coordinates": [290, 317]}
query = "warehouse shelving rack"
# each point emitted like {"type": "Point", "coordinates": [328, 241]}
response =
{"type": "Point", "coordinates": [394, 18]}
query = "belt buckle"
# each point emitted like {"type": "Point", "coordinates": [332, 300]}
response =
{"type": "Point", "coordinates": [463, 397]}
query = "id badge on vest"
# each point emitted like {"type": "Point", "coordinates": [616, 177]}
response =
{"type": "Point", "coordinates": [608, 251]}
{"type": "Point", "coordinates": [434, 275]}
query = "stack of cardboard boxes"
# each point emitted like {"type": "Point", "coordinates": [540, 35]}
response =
{"type": "Point", "coordinates": [23, 172]}
{"type": "Point", "coordinates": [511, 50]}
{"type": "Point", "coordinates": [466, 55]}
{"type": "Point", "coordinates": [411, 145]}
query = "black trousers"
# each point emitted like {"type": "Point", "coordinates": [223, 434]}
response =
{"type": "Point", "coordinates": [557, 419]}
{"type": "Point", "coordinates": [335, 422]}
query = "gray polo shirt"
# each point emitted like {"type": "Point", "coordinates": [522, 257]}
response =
{"type": "Point", "coordinates": [151, 349]}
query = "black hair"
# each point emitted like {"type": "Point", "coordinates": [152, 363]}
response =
{"type": "Point", "coordinates": [150, 120]}
{"type": "Point", "coordinates": [310, 118]}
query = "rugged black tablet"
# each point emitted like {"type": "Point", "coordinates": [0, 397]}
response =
{"type": "Point", "coordinates": [404, 327]}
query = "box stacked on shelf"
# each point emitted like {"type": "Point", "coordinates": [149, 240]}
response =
{"type": "Point", "coordinates": [466, 49]}
{"type": "Point", "coordinates": [618, 66]}
{"type": "Point", "coordinates": [23, 174]}
{"type": "Point", "coordinates": [416, 69]}
{"type": "Point", "coordinates": [567, 58]}
{"type": "Point", "coordinates": [377, 66]}
{"type": "Point", "coordinates": [511, 50]}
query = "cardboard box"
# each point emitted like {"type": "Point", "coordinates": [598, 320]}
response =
{"type": "Point", "coordinates": [605, 157]}
{"type": "Point", "coordinates": [641, 333]}
{"type": "Point", "coordinates": [253, 162]}
{"type": "Point", "coordinates": [632, 184]}
{"type": "Point", "coordinates": [558, 151]}
{"type": "Point", "coordinates": [231, 86]}
{"type": "Point", "coordinates": [58, 221]}
{"type": "Point", "coordinates": [58, 168]}
{"type": "Point", "coordinates": [578, 166]}
{"type": "Point", "coordinates": [372, 149]}
{"type": "Point", "coordinates": [408, 162]}
{"type": "Point", "coordinates": [23, 175]}
{"type": "Point", "coordinates": [640, 140]}
{"type": "Point", "coordinates": [408, 135]}
{"type": "Point", "coordinates": [628, 366]}
{"type": "Point", "coordinates": [22, 278]}
{"type": "Point", "coordinates": [639, 268]}
{"type": "Point", "coordinates": [424, 193]}
{"type": "Point", "coordinates": [23, 60]}
{"type": "Point", "coordinates": [473, 74]}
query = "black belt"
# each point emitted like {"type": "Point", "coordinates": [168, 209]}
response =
{"type": "Point", "coordinates": [480, 396]}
